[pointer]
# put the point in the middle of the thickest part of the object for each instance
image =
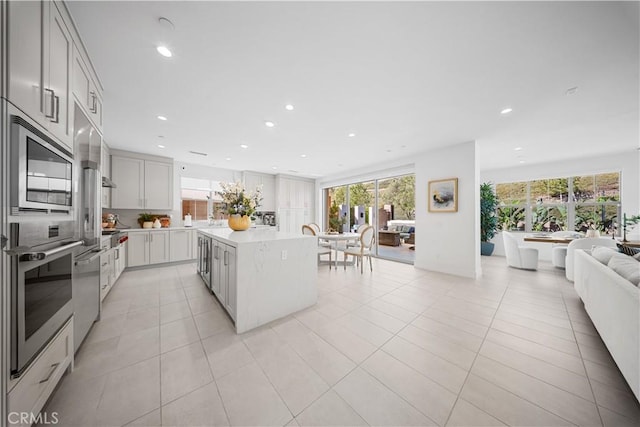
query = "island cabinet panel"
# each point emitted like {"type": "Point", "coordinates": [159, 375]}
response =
{"type": "Point", "coordinates": [261, 275]}
{"type": "Point", "coordinates": [230, 281]}
{"type": "Point", "coordinates": [216, 277]}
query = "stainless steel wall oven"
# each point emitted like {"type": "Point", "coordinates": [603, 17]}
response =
{"type": "Point", "coordinates": [41, 172]}
{"type": "Point", "coordinates": [42, 258]}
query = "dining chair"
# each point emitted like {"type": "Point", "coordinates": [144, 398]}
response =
{"type": "Point", "coordinates": [316, 229]}
{"type": "Point", "coordinates": [559, 250]}
{"type": "Point", "coordinates": [322, 250]}
{"type": "Point", "coordinates": [367, 237]}
{"type": "Point", "coordinates": [356, 244]}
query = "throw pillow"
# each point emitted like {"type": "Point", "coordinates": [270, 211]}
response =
{"type": "Point", "coordinates": [626, 267]}
{"type": "Point", "coordinates": [627, 250]}
{"type": "Point", "coordinates": [603, 253]}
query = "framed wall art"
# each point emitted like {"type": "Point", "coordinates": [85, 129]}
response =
{"type": "Point", "coordinates": [443, 195]}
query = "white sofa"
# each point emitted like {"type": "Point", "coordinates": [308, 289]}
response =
{"type": "Point", "coordinates": [613, 304]}
{"type": "Point", "coordinates": [586, 243]}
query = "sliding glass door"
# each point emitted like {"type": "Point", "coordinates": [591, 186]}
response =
{"type": "Point", "coordinates": [387, 204]}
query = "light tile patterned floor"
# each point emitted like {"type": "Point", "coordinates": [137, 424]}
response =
{"type": "Point", "coordinates": [398, 346]}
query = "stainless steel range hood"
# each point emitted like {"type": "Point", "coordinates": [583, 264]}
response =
{"type": "Point", "coordinates": [106, 182]}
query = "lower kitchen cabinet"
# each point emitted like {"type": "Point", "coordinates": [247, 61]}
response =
{"type": "Point", "coordinates": [138, 250]}
{"type": "Point", "coordinates": [223, 275]}
{"type": "Point", "coordinates": [159, 247]}
{"type": "Point", "coordinates": [29, 393]}
{"type": "Point", "coordinates": [181, 243]}
{"type": "Point", "coordinates": [106, 272]}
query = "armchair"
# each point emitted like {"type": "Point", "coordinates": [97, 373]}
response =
{"type": "Point", "coordinates": [519, 256]}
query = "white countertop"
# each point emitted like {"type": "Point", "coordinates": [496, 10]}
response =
{"type": "Point", "coordinates": [253, 235]}
{"type": "Point", "coordinates": [195, 227]}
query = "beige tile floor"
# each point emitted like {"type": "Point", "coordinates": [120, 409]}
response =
{"type": "Point", "coordinates": [398, 346]}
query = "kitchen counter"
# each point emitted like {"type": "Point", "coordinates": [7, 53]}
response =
{"type": "Point", "coordinates": [252, 235]}
{"type": "Point", "coordinates": [259, 275]}
{"type": "Point", "coordinates": [195, 227]}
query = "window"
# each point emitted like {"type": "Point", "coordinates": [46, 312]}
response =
{"type": "Point", "coordinates": [574, 203]}
{"type": "Point", "coordinates": [199, 198]}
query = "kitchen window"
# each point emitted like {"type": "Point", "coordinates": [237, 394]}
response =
{"type": "Point", "coordinates": [199, 198]}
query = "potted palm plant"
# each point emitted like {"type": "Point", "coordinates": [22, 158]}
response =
{"type": "Point", "coordinates": [488, 218]}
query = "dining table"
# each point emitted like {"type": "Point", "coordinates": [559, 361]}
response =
{"type": "Point", "coordinates": [549, 239]}
{"type": "Point", "coordinates": [335, 238]}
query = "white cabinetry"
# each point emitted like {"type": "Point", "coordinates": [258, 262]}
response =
{"type": "Point", "coordinates": [268, 183]}
{"type": "Point", "coordinates": [147, 247]}
{"type": "Point", "coordinates": [138, 250]}
{"type": "Point", "coordinates": [158, 185]}
{"type": "Point", "coordinates": [141, 183]}
{"type": "Point", "coordinates": [295, 198]}
{"type": "Point", "coordinates": [85, 90]}
{"type": "Point", "coordinates": [224, 276]}
{"type": "Point", "coordinates": [30, 392]}
{"type": "Point", "coordinates": [40, 49]}
{"type": "Point", "coordinates": [106, 272]}
{"type": "Point", "coordinates": [181, 244]}
{"type": "Point", "coordinates": [158, 247]}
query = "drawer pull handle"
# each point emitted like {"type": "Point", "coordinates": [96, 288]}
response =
{"type": "Point", "coordinates": [53, 369]}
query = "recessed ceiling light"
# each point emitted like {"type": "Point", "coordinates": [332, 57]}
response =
{"type": "Point", "coordinates": [303, 155]}
{"type": "Point", "coordinates": [244, 146]}
{"type": "Point", "coordinates": [351, 135]}
{"type": "Point", "coordinates": [517, 149]}
{"type": "Point", "coordinates": [288, 107]}
{"type": "Point", "coordinates": [269, 124]}
{"type": "Point", "coordinates": [571, 90]}
{"type": "Point", "coordinates": [274, 167]}
{"type": "Point", "coordinates": [506, 111]}
{"type": "Point", "coordinates": [163, 118]}
{"type": "Point", "coordinates": [164, 51]}
{"type": "Point", "coordinates": [228, 158]}
{"type": "Point", "coordinates": [521, 161]}
{"type": "Point", "coordinates": [388, 151]}
{"type": "Point", "coordinates": [160, 146]}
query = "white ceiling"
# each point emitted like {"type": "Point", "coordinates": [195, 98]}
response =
{"type": "Point", "coordinates": [404, 77]}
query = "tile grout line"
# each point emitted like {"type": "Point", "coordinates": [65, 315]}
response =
{"type": "Point", "coordinates": [584, 366]}
{"type": "Point", "coordinates": [522, 398]}
{"type": "Point", "coordinates": [474, 362]}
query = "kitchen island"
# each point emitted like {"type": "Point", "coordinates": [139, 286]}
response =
{"type": "Point", "coordinates": [258, 275]}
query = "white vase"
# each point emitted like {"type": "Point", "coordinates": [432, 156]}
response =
{"type": "Point", "coordinates": [592, 233]}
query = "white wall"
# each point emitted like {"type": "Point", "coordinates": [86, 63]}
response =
{"type": "Point", "coordinates": [449, 242]}
{"type": "Point", "coordinates": [628, 163]}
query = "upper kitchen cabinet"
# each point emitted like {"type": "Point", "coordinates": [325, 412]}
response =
{"type": "Point", "coordinates": [87, 92]}
{"type": "Point", "coordinates": [141, 182]}
{"type": "Point", "coordinates": [268, 183]}
{"type": "Point", "coordinates": [39, 62]}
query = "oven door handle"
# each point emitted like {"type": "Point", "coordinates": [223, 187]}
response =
{"type": "Point", "coordinates": [90, 259]}
{"type": "Point", "coordinates": [38, 256]}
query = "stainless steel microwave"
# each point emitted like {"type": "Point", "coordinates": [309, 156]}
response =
{"type": "Point", "coordinates": [41, 178]}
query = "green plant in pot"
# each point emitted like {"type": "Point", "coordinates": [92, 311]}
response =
{"type": "Point", "coordinates": [145, 217]}
{"type": "Point", "coordinates": [488, 218]}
